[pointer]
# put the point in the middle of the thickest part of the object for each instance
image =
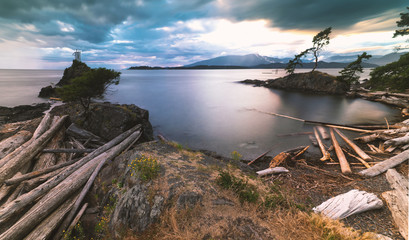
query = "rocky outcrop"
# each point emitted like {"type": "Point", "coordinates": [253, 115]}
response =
{"type": "Point", "coordinates": [108, 120]}
{"type": "Point", "coordinates": [75, 70]}
{"type": "Point", "coordinates": [308, 82]}
{"type": "Point", "coordinates": [22, 112]}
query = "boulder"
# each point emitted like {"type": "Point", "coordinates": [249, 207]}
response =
{"type": "Point", "coordinates": [310, 82]}
{"type": "Point", "coordinates": [47, 92]}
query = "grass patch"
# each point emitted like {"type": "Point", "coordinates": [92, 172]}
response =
{"type": "Point", "coordinates": [245, 191]}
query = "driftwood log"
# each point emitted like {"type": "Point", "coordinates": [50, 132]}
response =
{"type": "Point", "coordinates": [325, 153]}
{"type": "Point", "coordinates": [60, 193]}
{"type": "Point", "coordinates": [385, 165]}
{"type": "Point", "coordinates": [323, 132]}
{"type": "Point", "coordinates": [272, 171]}
{"type": "Point", "coordinates": [398, 141]}
{"type": "Point", "coordinates": [13, 165]}
{"type": "Point", "coordinates": [9, 144]}
{"type": "Point", "coordinates": [397, 200]}
{"type": "Point", "coordinates": [349, 203]}
{"type": "Point", "coordinates": [345, 168]}
{"type": "Point", "coordinates": [358, 150]}
{"type": "Point", "coordinates": [77, 132]}
{"type": "Point", "coordinates": [67, 150]}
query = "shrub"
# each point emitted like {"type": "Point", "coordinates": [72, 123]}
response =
{"type": "Point", "coordinates": [241, 187]}
{"type": "Point", "coordinates": [147, 167]}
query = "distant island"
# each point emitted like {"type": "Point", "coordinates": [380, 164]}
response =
{"type": "Point", "coordinates": [256, 61]}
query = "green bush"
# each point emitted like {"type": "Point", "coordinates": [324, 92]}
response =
{"type": "Point", "coordinates": [147, 167]}
{"type": "Point", "coordinates": [241, 187]}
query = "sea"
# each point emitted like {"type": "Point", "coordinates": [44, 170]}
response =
{"type": "Point", "coordinates": [209, 109]}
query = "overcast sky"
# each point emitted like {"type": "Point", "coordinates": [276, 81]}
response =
{"type": "Point", "coordinates": [118, 34]}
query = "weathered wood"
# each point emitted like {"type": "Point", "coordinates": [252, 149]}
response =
{"type": "Point", "coordinates": [44, 230]}
{"type": "Point", "coordinates": [12, 166]}
{"type": "Point", "coordinates": [46, 160]}
{"type": "Point", "coordinates": [18, 179]}
{"type": "Point", "coordinates": [58, 195]}
{"type": "Point", "coordinates": [67, 150]}
{"type": "Point", "coordinates": [398, 141]}
{"type": "Point", "coordinates": [9, 144]}
{"type": "Point", "coordinates": [12, 208]}
{"type": "Point", "coordinates": [385, 165]}
{"type": "Point", "coordinates": [397, 200]}
{"type": "Point", "coordinates": [260, 156]}
{"type": "Point", "coordinates": [31, 184]}
{"type": "Point", "coordinates": [323, 132]}
{"type": "Point", "coordinates": [331, 174]}
{"type": "Point", "coordinates": [366, 164]}
{"type": "Point", "coordinates": [274, 170]}
{"type": "Point", "coordinates": [78, 132]}
{"type": "Point", "coordinates": [85, 190]}
{"type": "Point", "coordinates": [300, 153]}
{"type": "Point", "coordinates": [345, 169]}
{"type": "Point", "coordinates": [277, 160]}
{"type": "Point", "coordinates": [313, 140]}
{"type": "Point", "coordinates": [325, 153]}
{"type": "Point", "coordinates": [77, 218]}
{"type": "Point", "coordinates": [358, 150]}
{"type": "Point", "coordinates": [5, 190]}
{"type": "Point", "coordinates": [43, 126]}
{"type": "Point", "coordinates": [349, 203]}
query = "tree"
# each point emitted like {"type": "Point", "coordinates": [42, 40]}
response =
{"type": "Point", "coordinates": [319, 41]}
{"type": "Point", "coordinates": [403, 23]}
{"type": "Point", "coordinates": [349, 73]}
{"type": "Point", "coordinates": [292, 64]}
{"type": "Point", "coordinates": [91, 84]}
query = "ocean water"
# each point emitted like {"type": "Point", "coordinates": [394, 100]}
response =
{"type": "Point", "coordinates": [209, 109]}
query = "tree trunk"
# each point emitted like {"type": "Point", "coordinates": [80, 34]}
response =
{"type": "Point", "coordinates": [349, 203]}
{"type": "Point", "coordinates": [59, 193]}
{"type": "Point", "coordinates": [358, 151]}
{"type": "Point", "coordinates": [345, 169]}
{"type": "Point", "coordinates": [385, 165]}
{"type": "Point", "coordinates": [8, 145]}
{"type": "Point", "coordinates": [26, 199]}
{"type": "Point", "coordinates": [24, 157]}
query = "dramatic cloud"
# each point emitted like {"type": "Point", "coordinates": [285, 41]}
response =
{"type": "Point", "coordinates": [177, 32]}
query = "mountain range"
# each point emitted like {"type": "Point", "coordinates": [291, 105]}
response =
{"type": "Point", "coordinates": [258, 61]}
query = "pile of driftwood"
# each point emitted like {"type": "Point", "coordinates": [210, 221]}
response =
{"type": "Point", "coordinates": [43, 181]}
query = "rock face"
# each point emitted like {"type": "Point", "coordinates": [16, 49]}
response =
{"type": "Point", "coordinates": [22, 113]}
{"type": "Point", "coordinates": [77, 69]}
{"type": "Point", "coordinates": [311, 82]}
{"type": "Point", "coordinates": [108, 120]}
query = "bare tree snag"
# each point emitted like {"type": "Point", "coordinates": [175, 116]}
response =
{"type": "Point", "coordinates": [385, 165]}
{"type": "Point", "coordinates": [397, 200]}
{"type": "Point", "coordinates": [58, 195]}
{"type": "Point", "coordinates": [349, 203]}
{"type": "Point", "coordinates": [345, 168]}
{"type": "Point", "coordinates": [12, 166]}
{"type": "Point", "coordinates": [323, 132]}
{"type": "Point", "coordinates": [358, 150]}
{"type": "Point", "coordinates": [8, 145]}
{"type": "Point", "coordinates": [325, 153]}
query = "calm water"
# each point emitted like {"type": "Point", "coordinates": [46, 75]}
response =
{"type": "Point", "coordinates": [208, 109]}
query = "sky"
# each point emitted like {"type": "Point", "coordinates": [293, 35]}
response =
{"type": "Point", "coordinates": [43, 34]}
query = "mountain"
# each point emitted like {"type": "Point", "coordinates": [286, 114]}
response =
{"type": "Point", "coordinates": [321, 64]}
{"type": "Point", "coordinates": [383, 60]}
{"type": "Point", "coordinates": [249, 60]}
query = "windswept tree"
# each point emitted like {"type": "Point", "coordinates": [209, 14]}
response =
{"type": "Point", "coordinates": [297, 60]}
{"type": "Point", "coordinates": [91, 84]}
{"type": "Point", "coordinates": [319, 41]}
{"type": "Point", "coordinates": [403, 23]}
{"type": "Point", "coordinates": [350, 73]}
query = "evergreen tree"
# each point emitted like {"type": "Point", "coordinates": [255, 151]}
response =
{"type": "Point", "coordinates": [349, 73]}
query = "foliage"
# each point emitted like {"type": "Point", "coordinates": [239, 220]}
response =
{"type": "Point", "coordinates": [319, 41]}
{"type": "Point", "coordinates": [147, 167]}
{"type": "Point", "coordinates": [91, 84]}
{"type": "Point", "coordinates": [244, 190]}
{"type": "Point", "coordinates": [349, 73]}
{"type": "Point", "coordinates": [402, 23]}
{"type": "Point", "coordinates": [394, 75]}
{"type": "Point", "coordinates": [236, 156]}
{"type": "Point", "coordinates": [101, 228]}
{"type": "Point", "coordinates": [292, 64]}
{"type": "Point", "coordinates": [77, 233]}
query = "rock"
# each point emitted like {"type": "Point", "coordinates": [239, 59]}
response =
{"type": "Point", "coordinates": [22, 113]}
{"type": "Point", "coordinates": [47, 92]}
{"type": "Point", "coordinates": [108, 120]}
{"type": "Point", "coordinates": [311, 82]}
{"type": "Point", "coordinates": [188, 199]}
{"type": "Point", "coordinates": [255, 82]}
{"type": "Point", "coordinates": [77, 69]}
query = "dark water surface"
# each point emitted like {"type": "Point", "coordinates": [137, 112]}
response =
{"type": "Point", "coordinates": [208, 109]}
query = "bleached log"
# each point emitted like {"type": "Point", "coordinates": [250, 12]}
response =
{"type": "Point", "coordinates": [46, 160]}
{"type": "Point", "coordinates": [58, 195]}
{"type": "Point", "coordinates": [33, 183]}
{"type": "Point", "coordinates": [46, 227]}
{"type": "Point", "coordinates": [67, 150]}
{"type": "Point", "coordinates": [77, 218]}
{"type": "Point", "coordinates": [358, 150]}
{"type": "Point", "coordinates": [12, 166]}
{"type": "Point", "coordinates": [345, 168]}
{"type": "Point", "coordinates": [77, 132]}
{"type": "Point", "coordinates": [272, 171]}
{"type": "Point", "coordinates": [12, 208]}
{"type": "Point", "coordinates": [43, 126]}
{"type": "Point", "coordinates": [5, 190]}
{"type": "Point", "coordinates": [397, 200]}
{"type": "Point", "coordinates": [349, 203]}
{"type": "Point", "coordinates": [398, 141]}
{"type": "Point", "coordinates": [325, 153]}
{"type": "Point", "coordinates": [323, 132]}
{"type": "Point", "coordinates": [8, 145]}
{"type": "Point", "coordinates": [385, 165]}
{"type": "Point", "coordinates": [313, 140]}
